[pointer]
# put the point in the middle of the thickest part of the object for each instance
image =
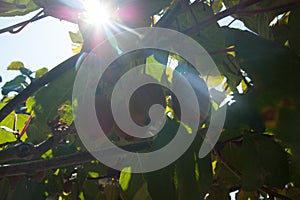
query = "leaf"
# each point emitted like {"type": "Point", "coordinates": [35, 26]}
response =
{"type": "Point", "coordinates": [249, 117]}
{"type": "Point", "coordinates": [125, 177]}
{"type": "Point", "coordinates": [252, 172]}
{"type": "Point", "coordinates": [28, 189]}
{"type": "Point", "coordinates": [111, 192]}
{"type": "Point", "coordinates": [154, 68]}
{"type": "Point", "coordinates": [142, 193]}
{"type": "Point", "coordinates": [76, 48]}
{"type": "Point", "coordinates": [40, 72]}
{"type": "Point", "coordinates": [188, 187]}
{"type": "Point", "coordinates": [262, 59]}
{"type": "Point", "coordinates": [205, 173]}
{"type": "Point", "coordinates": [294, 29]}
{"type": "Point", "coordinates": [264, 162]}
{"type": "Point", "coordinates": [16, 7]}
{"type": "Point", "coordinates": [16, 65]}
{"type": "Point", "coordinates": [161, 184]}
{"type": "Point", "coordinates": [65, 113]}
{"type": "Point", "coordinates": [136, 186]}
{"type": "Point", "coordinates": [76, 37]}
{"type": "Point", "coordinates": [217, 5]}
{"type": "Point", "coordinates": [18, 84]}
{"type": "Point", "coordinates": [259, 22]}
{"type": "Point", "coordinates": [48, 100]}
{"type": "Point", "coordinates": [8, 122]}
{"type": "Point", "coordinates": [90, 188]}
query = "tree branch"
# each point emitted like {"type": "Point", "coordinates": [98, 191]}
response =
{"type": "Point", "coordinates": [195, 29]}
{"type": "Point", "coordinates": [37, 84]}
{"type": "Point", "coordinates": [35, 166]}
{"type": "Point", "coordinates": [28, 151]}
{"type": "Point", "coordinates": [278, 7]}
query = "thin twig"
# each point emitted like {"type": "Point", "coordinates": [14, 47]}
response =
{"type": "Point", "coordinates": [21, 24]}
{"type": "Point", "coordinates": [27, 22]}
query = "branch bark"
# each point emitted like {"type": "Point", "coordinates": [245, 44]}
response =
{"type": "Point", "coordinates": [32, 167]}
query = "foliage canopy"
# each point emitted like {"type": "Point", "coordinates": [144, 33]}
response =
{"type": "Point", "coordinates": [257, 154]}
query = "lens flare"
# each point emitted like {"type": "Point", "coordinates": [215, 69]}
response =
{"type": "Point", "coordinates": [97, 12]}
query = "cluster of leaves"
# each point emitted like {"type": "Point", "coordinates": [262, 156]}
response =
{"type": "Point", "coordinates": [258, 152]}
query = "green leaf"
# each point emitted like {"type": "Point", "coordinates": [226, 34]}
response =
{"type": "Point", "coordinates": [217, 5]}
{"type": "Point", "coordinates": [294, 29]}
{"type": "Point", "coordinates": [48, 100]}
{"type": "Point", "coordinates": [125, 177]}
{"type": "Point", "coordinates": [136, 186]}
{"type": "Point", "coordinates": [18, 84]}
{"type": "Point", "coordinates": [249, 117]}
{"type": "Point", "coordinates": [259, 22]}
{"type": "Point", "coordinates": [90, 188]}
{"type": "Point", "coordinates": [65, 113]}
{"type": "Point", "coordinates": [76, 37]}
{"type": "Point", "coordinates": [27, 189]}
{"type": "Point", "coordinates": [16, 65]}
{"type": "Point", "coordinates": [187, 183]}
{"type": "Point", "coordinates": [204, 166]}
{"type": "Point", "coordinates": [8, 122]}
{"type": "Point", "coordinates": [111, 192]}
{"type": "Point", "coordinates": [16, 7]}
{"type": "Point", "coordinates": [154, 68]}
{"type": "Point", "coordinates": [161, 183]}
{"type": "Point", "coordinates": [252, 172]}
{"type": "Point", "coordinates": [40, 72]}
{"type": "Point", "coordinates": [264, 162]}
{"type": "Point", "coordinates": [142, 193]}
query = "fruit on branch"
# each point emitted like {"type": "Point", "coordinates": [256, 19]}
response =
{"type": "Point", "coordinates": [139, 104]}
{"type": "Point", "coordinates": [143, 98]}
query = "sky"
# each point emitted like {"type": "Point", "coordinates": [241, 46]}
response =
{"type": "Point", "coordinates": [44, 43]}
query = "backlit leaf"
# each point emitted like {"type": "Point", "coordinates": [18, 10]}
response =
{"type": "Point", "coordinates": [40, 72]}
{"type": "Point", "coordinates": [16, 65]}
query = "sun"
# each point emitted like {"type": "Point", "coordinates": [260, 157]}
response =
{"type": "Point", "coordinates": [96, 12]}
